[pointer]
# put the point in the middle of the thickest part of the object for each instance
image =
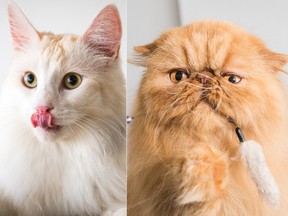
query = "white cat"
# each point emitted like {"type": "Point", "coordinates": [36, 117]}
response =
{"type": "Point", "coordinates": [62, 121]}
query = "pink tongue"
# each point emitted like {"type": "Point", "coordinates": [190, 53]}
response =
{"type": "Point", "coordinates": [42, 119]}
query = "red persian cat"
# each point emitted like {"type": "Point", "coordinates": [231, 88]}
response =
{"type": "Point", "coordinates": [183, 151]}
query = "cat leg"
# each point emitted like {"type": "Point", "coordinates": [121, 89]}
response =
{"type": "Point", "coordinates": [203, 175]}
{"type": "Point", "coordinates": [180, 185]}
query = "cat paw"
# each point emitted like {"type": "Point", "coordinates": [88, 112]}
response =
{"type": "Point", "coordinates": [204, 175]}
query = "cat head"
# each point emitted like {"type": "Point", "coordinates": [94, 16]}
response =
{"type": "Point", "coordinates": [199, 73]}
{"type": "Point", "coordinates": [62, 84]}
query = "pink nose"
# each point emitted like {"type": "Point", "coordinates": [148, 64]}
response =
{"type": "Point", "coordinates": [202, 78]}
{"type": "Point", "coordinates": [43, 109]}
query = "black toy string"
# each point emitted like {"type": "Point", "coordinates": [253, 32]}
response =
{"type": "Point", "coordinates": [238, 131]}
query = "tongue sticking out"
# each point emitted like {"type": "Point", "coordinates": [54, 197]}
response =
{"type": "Point", "coordinates": [42, 120]}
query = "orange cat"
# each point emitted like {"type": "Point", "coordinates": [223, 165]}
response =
{"type": "Point", "coordinates": [183, 152]}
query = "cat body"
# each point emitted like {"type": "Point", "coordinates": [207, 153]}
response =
{"type": "Point", "coordinates": [183, 152]}
{"type": "Point", "coordinates": [63, 139]}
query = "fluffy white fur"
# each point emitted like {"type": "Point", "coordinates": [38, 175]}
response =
{"type": "Point", "coordinates": [79, 170]}
{"type": "Point", "coordinates": [254, 159]}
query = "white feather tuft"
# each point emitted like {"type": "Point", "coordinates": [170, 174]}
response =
{"type": "Point", "coordinates": [254, 159]}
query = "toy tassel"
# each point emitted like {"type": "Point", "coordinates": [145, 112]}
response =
{"type": "Point", "coordinates": [253, 157]}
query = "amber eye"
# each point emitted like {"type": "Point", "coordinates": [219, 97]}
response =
{"type": "Point", "coordinates": [178, 75]}
{"type": "Point", "coordinates": [72, 80]}
{"type": "Point", "coordinates": [29, 79]}
{"type": "Point", "coordinates": [232, 78]}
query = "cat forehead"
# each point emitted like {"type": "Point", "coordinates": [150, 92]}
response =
{"type": "Point", "coordinates": [55, 47]}
{"type": "Point", "coordinates": [206, 43]}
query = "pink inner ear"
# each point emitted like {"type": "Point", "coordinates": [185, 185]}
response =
{"type": "Point", "coordinates": [19, 41]}
{"type": "Point", "coordinates": [23, 33]}
{"type": "Point", "coordinates": [104, 34]}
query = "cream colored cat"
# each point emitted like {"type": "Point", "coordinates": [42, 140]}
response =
{"type": "Point", "coordinates": [62, 121]}
{"type": "Point", "coordinates": [183, 151]}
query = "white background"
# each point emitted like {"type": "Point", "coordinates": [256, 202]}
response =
{"type": "Point", "coordinates": [148, 18]}
{"type": "Point", "coordinates": [57, 16]}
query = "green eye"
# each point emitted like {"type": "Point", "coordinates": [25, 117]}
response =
{"type": "Point", "coordinates": [72, 80]}
{"type": "Point", "coordinates": [30, 80]}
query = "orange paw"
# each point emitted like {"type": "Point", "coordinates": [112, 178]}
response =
{"type": "Point", "coordinates": [204, 174]}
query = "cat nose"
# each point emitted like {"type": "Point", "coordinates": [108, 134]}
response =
{"type": "Point", "coordinates": [201, 78]}
{"type": "Point", "coordinates": [44, 109]}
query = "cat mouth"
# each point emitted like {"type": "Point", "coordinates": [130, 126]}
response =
{"type": "Point", "coordinates": [44, 121]}
{"type": "Point", "coordinates": [209, 104]}
{"type": "Point", "coordinates": [51, 130]}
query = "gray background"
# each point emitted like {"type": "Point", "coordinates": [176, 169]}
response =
{"type": "Point", "coordinates": [147, 19]}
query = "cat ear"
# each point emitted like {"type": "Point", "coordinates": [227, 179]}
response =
{"type": "Point", "coordinates": [104, 33]}
{"type": "Point", "coordinates": [142, 53]}
{"type": "Point", "coordinates": [145, 50]}
{"type": "Point", "coordinates": [276, 61]}
{"type": "Point", "coordinates": [23, 33]}
{"type": "Point", "coordinates": [148, 49]}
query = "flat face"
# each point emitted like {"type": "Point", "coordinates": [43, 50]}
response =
{"type": "Point", "coordinates": [207, 66]}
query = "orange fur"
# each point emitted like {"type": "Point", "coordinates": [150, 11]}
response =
{"type": "Point", "coordinates": [183, 156]}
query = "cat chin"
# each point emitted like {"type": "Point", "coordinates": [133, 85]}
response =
{"type": "Point", "coordinates": [205, 107]}
{"type": "Point", "coordinates": [49, 134]}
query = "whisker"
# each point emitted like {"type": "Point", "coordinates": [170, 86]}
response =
{"type": "Point", "coordinates": [199, 86]}
{"type": "Point", "coordinates": [173, 93]}
{"type": "Point", "coordinates": [155, 139]}
{"type": "Point", "coordinates": [112, 127]}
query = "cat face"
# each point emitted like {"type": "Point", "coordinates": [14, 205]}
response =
{"type": "Point", "coordinates": [62, 83]}
{"type": "Point", "coordinates": [207, 70]}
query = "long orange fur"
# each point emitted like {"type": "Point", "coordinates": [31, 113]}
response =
{"type": "Point", "coordinates": [183, 155]}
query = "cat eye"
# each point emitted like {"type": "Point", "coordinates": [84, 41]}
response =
{"type": "Point", "coordinates": [72, 80]}
{"type": "Point", "coordinates": [177, 75]}
{"type": "Point", "coordinates": [30, 80]}
{"type": "Point", "coordinates": [231, 77]}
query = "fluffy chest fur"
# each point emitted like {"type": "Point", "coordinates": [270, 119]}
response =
{"type": "Point", "coordinates": [74, 177]}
